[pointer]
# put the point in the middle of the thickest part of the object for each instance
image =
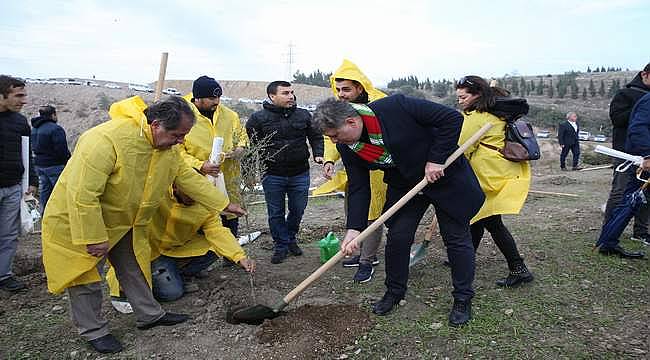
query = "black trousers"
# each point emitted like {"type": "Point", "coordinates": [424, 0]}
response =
{"type": "Point", "coordinates": [401, 232]}
{"type": "Point", "coordinates": [575, 150]}
{"type": "Point", "coordinates": [232, 224]}
{"type": "Point", "coordinates": [501, 236]}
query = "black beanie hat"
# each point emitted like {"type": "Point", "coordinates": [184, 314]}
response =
{"type": "Point", "coordinates": [205, 87]}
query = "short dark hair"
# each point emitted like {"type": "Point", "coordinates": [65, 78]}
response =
{"type": "Point", "coordinates": [353, 81]}
{"type": "Point", "coordinates": [272, 88]}
{"type": "Point", "coordinates": [169, 112]}
{"type": "Point", "coordinates": [9, 82]}
{"type": "Point", "coordinates": [47, 111]}
{"type": "Point", "coordinates": [331, 113]}
{"type": "Point", "coordinates": [647, 68]}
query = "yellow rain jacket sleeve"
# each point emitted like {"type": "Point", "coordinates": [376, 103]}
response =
{"type": "Point", "coordinates": [504, 182]}
{"type": "Point", "coordinates": [350, 71]}
{"type": "Point", "coordinates": [112, 184]}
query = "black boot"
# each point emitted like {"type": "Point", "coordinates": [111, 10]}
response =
{"type": "Point", "coordinates": [518, 274]}
{"type": "Point", "coordinates": [386, 304]}
{"type": "Point", "coordinates": [461, 313]}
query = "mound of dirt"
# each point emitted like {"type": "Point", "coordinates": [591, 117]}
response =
{"type": "Point", "coordinates": [329, 327]}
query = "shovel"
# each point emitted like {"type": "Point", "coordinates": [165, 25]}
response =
{"type": "Point", "coordinates": [256, 314]}
{"type": "Point", "coordinates": [419, 251]}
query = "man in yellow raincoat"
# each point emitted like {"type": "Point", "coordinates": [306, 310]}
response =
{"type": "Point", "coordinates": [214, 119]}
{"type": "Point", "coordinates": [102, 204]}
{"type": "Point", "coordinates": [351, 85]}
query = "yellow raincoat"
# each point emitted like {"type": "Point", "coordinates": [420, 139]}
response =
{"type": "Point", "coordinates": [173, 232]}
{"type": "Point", "coordinates": [504, 182]}
{"type": "Point", "coordinates": [198, 145]}
{"type": "Point", "coordinates": [113, 183]}
{"type": "Point", "coordinates": [348, 70]}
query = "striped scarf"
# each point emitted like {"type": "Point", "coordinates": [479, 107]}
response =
{"type": "Point", "coordinates": [375, 152]}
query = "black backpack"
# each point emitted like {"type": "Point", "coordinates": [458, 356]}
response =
{"type": "Point", "coordinates": [520, 142]}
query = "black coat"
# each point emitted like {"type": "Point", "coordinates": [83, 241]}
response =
{"type": "Point", "coordinates": [620, 108]}
{"type": "Point", "coordinates": [566, 135]}
{"type": "Point", "coordinates": [12, 127]}
{"type": "Point", "coordinates": [49, 143]}
{"type": "Point", "coordinates": [289, 129]}
{"type": "Point", "coordinates": [415, 132]}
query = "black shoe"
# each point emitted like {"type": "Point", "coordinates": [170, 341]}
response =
{"type": "Point", "coordinates": [351, 261]}
{"type": "Point", "coordinates": [168, 319]}
{"type": "Point", "coordinates": [279, 256]}
{"type": "Point", "coordinates": [576, 168]}
{"type": "Point", "coordinates": [518, 275]}
{"type": "Point", "coordinates": [364, 274]}
{"type": "Point", "coordinates": [11, 284]}
{"type": "Point", "coordinates": [106, 344]}
{"type": "Point", "coordinates": [386, 304]}
{"type": "Point", "coordinates": [295, 250]}
{"type": "Point", "coordinates": [564, 169]}
{"type": "Point", "coordinates": [461, 313]}
{"type": "Point", "coordinates": [643, 239]}
{"type": "Point", "coordinates": [617, 250]}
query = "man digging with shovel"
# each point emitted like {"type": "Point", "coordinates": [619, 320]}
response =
{"type": "Point", "coordinates": [408, 139]}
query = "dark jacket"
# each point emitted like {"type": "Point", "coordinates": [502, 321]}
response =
{"type": "Point", "coordinates": [48, 143]}
{"type": "Point", "coordinates": [566, 135]}
{"type": "Point", "coordinates": [621, 107]}
{"type": "Point", "coordinates": [12, 127]}
{"type": "Point", "coordinates": [415, 132]}
{"type": "Point", "coordinates": [638, 132]}
{"type": "Point", "coordinates": [289, 129]}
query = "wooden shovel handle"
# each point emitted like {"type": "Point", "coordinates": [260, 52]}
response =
{"type": "Point", "coordinates": [385, 216]}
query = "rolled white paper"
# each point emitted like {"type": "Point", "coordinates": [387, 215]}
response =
{"type": "Point", "coordinates": [217, 148]}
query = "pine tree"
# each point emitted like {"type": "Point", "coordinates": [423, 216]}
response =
{"type": "Point", "coordinates": [601, 90]}
{"type": "Point", "coordinates": [550, 89]}
{"type": "Point", "coordinates": [540, 86]}
{"type": "Point", "coordinates": [584, 93]}
{"type": "Point", "coordinates": [574, 91]}
{"type": "Point", "coordinates": [592, 88]}
{"type": "Point", "coordinates": [588, 69]}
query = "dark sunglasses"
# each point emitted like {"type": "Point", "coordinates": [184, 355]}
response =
{"type": "Point", "coordinates": [465, 81]}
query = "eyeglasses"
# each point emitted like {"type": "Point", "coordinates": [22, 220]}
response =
{"type": "Point", "coordinates": [465, 81]}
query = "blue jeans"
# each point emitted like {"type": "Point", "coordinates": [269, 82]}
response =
{"type": "Point", "coordinates": [276, 189]}
{"type": "Point", "coordinates": [9, 227]}
{"type": "Point", "coordinates": [167, 277]}
{"type": "Point", "coordinates": [47, 178]}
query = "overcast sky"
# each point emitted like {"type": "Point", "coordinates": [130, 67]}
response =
{"type": "Point", "coordinates": [250, 40]}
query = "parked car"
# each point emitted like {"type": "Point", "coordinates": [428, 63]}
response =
{"type": "Point", "coordinates": [543, 134]}
{"type": "Point", "coordinates": [140, 88]}
{"type": "Point", "coordinates": [583, 135]}
{"type": "Point", "coordinates": [92, 83]}
{"type": "Point", "coordinates": [600, 138]}
{"type": "Point", "coordinates": [171, 91]}
{"type": "Point", "coordinates": [112, 86]}
{"type": "Point", "coordinates": [73, 82]}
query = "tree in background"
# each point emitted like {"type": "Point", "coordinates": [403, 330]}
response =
{"type": "Point", "coordinates": [601, 90]}
{"type": "Point", "coordinates": [550, 89]}
{"type": "Point", "coordinates": [540, 86]}
{"type": "Point", "coordinates": [584, 93]}
{"type": "Point", "coordinates": [592, 88]}
{"type": "Point", "coordinates": [574, 90]}
{"type": "Point", "coordinates": [316, 78]}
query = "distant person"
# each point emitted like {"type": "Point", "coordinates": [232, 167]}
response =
{"type": "Point", "coordinates": [215, 119]}
{"type": "Point", "coordinates": [352, 85]}
{"type": "Point", "coordinates": [12, 99]}
{"type": "Point", "coordinates": [619, 113]}
{"type": "Point", "coordinates": [409, 139]}
{"type": "Point", "coordinates": [505, 183]}
{"type": "Point", "coordinates": [568, 137]}
{"type": "Point", "coordinates": [637, 143]}
{"type": "Point", "coordinates": [101, 207]}
{"type": "Point", "coordinates": [287, 163]}
{"type": "Point", "coordinates": [51, 151]}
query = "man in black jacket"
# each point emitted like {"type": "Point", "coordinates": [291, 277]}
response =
{"type": "Point", "coordinates": [287, 129]}
{"type": "Point", "coordinates": [568, 137]}
{"type": "Point", "coordinates": [619, 113]}
{"type": "Point", "coordinates": [51, 151]}
{"type": "Point", "coordinates": [12, 127]}
{"type": "Point", "coordinates": [408, 139]}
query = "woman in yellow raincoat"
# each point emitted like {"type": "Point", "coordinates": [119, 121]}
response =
{"type": "Point", "coordinates": [104, 200]}
{"type": "Point", "coordinates": [352, 85]}
{"type": "Point", "coordinates": [504, 182]}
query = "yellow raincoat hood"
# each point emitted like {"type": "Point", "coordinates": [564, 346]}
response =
{"type": "Point", "coordinates": [348, 70]}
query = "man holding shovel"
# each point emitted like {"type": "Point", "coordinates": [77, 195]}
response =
{"type": "Point", "coordinates": [408, 139]}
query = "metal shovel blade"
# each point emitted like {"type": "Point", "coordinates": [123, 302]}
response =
{"type": "Point", "coordinates": [418, 252]}
{"type": "Point", "coordinates": [252, 315]}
